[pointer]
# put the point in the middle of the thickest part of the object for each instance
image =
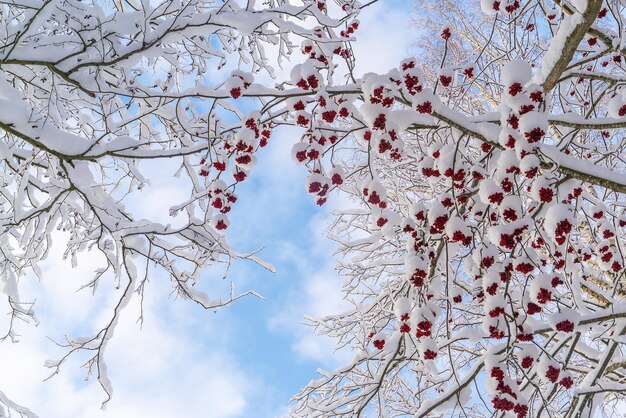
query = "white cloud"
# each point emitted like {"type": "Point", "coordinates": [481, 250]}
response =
{"type": "Point", "coordinates": [383, 38]}
{"type": "Point", "coordinates": [154, 201]}
{"type": "Point", "coordinates": [318, 295]}
{"type": "Point", "coordinates": [172, 366]}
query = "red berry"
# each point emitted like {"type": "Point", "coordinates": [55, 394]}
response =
{"type": "Point", "coordinates": [527, 362]}
{"type": "Point", "coordinates": [425, 107]}
{"type": "Point", "coordinates": [515, 88]}
{"type": "Point", "coordinates": [430, 355]}
{"type": "Point", "coordinates": [532, 308]}
{"type": "Point", "coordinates": [565, 326]}
{"type": "Point", "coordinates": [445, 80]}
{"type": "Point", "coordinates": [235, 93]}
{"type": "Point", "coordinates": [567, 382]}
{"type": "Point", "coordinates": [553, 374]}
{"type": "Point", "coordinates": [546, 195]}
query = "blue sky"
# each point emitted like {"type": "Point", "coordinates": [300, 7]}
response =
{"type": "Point", "coordinates": [243, 361]}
